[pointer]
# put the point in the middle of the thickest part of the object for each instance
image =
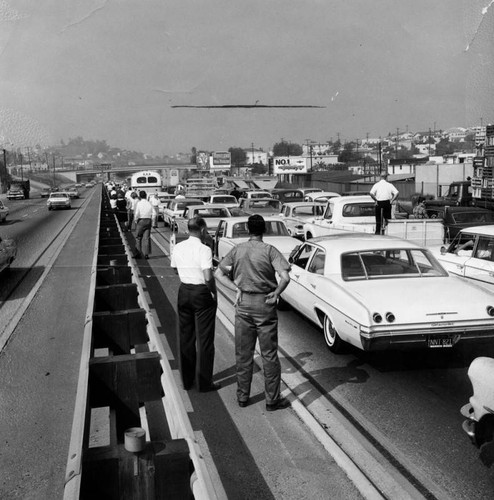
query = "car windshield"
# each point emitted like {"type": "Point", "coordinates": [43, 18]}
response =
{"type": "Point", "coordinates": [473, 217]}
{"type": "Point", "coordinates": [359, 210]}
{"type": "Point", "coordinates": [211, 212]}
{"type": "Point", "coordinates": [271, 205]}
{"type": "Point", "coordinates": [389, 263]}
{"type": "Point", "coordinates": [225, 199]}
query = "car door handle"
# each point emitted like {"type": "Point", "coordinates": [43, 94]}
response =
{"type": "Point", "coordinates": [313, 285]}
{"type": "Point", "coordinates": [297, 276]}
{"type": "Point", "coordinates": [460, 266]}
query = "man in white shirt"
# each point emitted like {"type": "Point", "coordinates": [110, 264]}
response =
{"type": "Point", "coordinates": [384, 194]}
{"type": "Point", "coordinates": [143, 216]}
{"type": "Point", "coordinates": [155, 202]}
{"type": "Point", "coordinates": [196, 305]}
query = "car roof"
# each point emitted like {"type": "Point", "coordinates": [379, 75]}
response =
{"type": "Point", "coordinates": [301, 204]}
{"type": "Point", "coordinates": [358, 242]}
{"type": "Point", "coordinates": [246, 217]}
{"type": "Point", "coordinates": [483, 230]}
{"type": "Point", "coordinates": [351, 199]}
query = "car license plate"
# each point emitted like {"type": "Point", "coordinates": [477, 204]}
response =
{"type": "Point", "coordinates": [434, 341]}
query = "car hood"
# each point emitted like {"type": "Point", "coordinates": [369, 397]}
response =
{"type": "Point", "coordinates": [423, 299]}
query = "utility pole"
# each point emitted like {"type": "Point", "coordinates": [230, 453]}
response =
{"type": "Point", "coordinates": [396, 146]}
{"type": "Point", "coordinates": [3, 173]}
{"type": "Point", "coordinates": [252, 146]}
{"type": "Point", "coordinates": [22, 170]}
{"type": "Point", "coordinates": [429, 141]}
{"type": "Point", "coordinates": [309, 150]}
{"type": "Point", "coordinates": [53, 161]}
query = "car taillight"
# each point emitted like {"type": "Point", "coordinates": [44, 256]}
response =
{"type": "Point", "coordinates": [377, 318]}
{"type": "Point", "coordinates": [390, 317]}
{"type": "Point", "coordinates": [490, 310]}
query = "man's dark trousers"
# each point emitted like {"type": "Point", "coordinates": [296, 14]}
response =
{"type": "Point", "coordinates": [196, 323]}
{"type": "Point", "coordinates": [383, 214]}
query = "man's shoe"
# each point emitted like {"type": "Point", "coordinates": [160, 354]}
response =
{"type": "Point", "coordinates": [281, 404]}
{"type": "Point", "coordinates": [243, 404]}
{"type": "Point", "coordinates": [210, 388]}
{"type": "Point", "coordinates": [146, 257]}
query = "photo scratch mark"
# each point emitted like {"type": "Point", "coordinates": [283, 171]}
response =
{"type": "Point", "coordinates": [87, 16]}
{"type": "Point", "coordinates": [247, 106]}
{"type": "Point", "coordinates": [484, 12]}
{"type": "Point", "coordinates": [334, 97]}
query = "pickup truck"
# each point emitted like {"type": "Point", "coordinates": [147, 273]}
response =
{"type": "Point", "coordinates": [457, 218]}
{"type": "Point", "coordinates": [233, 231]}
{"type": "Point", "coordinates": [357, 214]}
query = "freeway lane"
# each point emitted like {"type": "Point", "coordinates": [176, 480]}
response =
{"type": "Point", "coordinates": [402, 408]}
{"type": "Point", "coordinates": [38, 233]}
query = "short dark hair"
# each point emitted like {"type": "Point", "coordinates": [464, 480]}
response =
{"type": "Point", "coordinates": [143, 195]}
{"type": "Point", "coordinates": [256, 225]}
{"type": "Point", "coordinates": [196, 224]}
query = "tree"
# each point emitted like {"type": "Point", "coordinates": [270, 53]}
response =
{"type": "Point", "coordinates": [285, 148]}
{"type": "Point", "coordinates": [239, 157]}
{"type": "Point", "coordinates": [348, 154]}
{"type": "Point", "coordinates": [259, 169]}
{"type": "Point", "coordinates": [445, 147]}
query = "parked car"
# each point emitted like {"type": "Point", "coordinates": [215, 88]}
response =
{"type": "Point", "coordinates": [224, 199]}
{"type": "Point", "coordinates": [307, 190]}
{"type": "Point", "coordinates": [262, 206]}
{"type": "Point", "coordinates": [296, 213]}
{"type": "Point", "coordinates": [479, 412]}
{"type": "Point", "coordinates": [176, 209]}
{"type": "Point", "coordinates": [233, 231]}
{"type": "Point", "coordinates": [212, 213]}
{"type": "Point", "coordinates": [320, 196]}
{"type": "Point", "coordinates": [165, 198]}
{"type": "Point", "coordinates": [45, 192]}
{"type": "Point", "coordinates": [4, 211]}
{"type": "Point", "coordinates": [73, 192]}
{"type": "Point", "coordinates": [471, 255]}
{"type": "Point", "coordinates": [457, 218]}
{"type": "Point", "coordinates": [287, 195]}
{"type": "Point", "coordinates": [377, 292]}
{"type": "Point", "coordinates": [8, 252]}
{"type": "Point", "coordinates": [15, 192]}
{"type": "Point", "coordinates": [60, 199]}
{"type": "Point", "coordinates": [255, 194]}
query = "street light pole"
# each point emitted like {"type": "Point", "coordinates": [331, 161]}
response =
{"type": "Point", "coordinates": [53, 161]}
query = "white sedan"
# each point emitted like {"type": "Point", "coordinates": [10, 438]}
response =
{"type": "Point", "coordinates": [471, 255]}
{"type": "Point", "coordinates": [379, 292]}
{"type": "Point", "coordinates": [296, 213]}
{"type": "Point", "coordinates": [59, 199]}
{"type": "Point", "coordinates": [232, 231]}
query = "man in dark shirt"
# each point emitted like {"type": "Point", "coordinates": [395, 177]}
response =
{"type": "Point", "coordinates": [250, 269]}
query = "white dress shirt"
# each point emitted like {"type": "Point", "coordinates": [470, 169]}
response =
{"type": "Point", "coordinates": [383, 190]}
{"type": "Point", "coordinates": [143, 210]}
{"type": "Point", "coordinates": [191, 257]}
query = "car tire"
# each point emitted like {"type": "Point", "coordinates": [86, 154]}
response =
{"type": "Point", "coordinates": [331, 337]}
{"type": "Point", "coordinates": [49, 208]}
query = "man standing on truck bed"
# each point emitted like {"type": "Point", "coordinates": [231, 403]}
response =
{"type": "Point", "coordinates": [383, 193]}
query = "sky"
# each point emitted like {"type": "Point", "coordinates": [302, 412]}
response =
{"type": "Point", "coordinates": [122, 70]}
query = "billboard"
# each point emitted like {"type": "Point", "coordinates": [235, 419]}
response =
{"type": "Point", "coordinates": [222, 160]}
{"type": "Point", "coordinates": [289, 165]}
{"type": "Point", "coordinates": [202, 160]}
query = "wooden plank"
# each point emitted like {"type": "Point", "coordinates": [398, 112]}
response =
{"type": "Point", "coordinates": [119, 331]}
{"type": "Point", "coordinates": [116, 297]}
{"type": "Point", "coordinates": [161, 471]}
{"type": "Point", "coordinates": [113, 275]}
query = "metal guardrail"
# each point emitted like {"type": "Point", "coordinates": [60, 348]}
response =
{"type": "Point", "coordinates": [124, 368]}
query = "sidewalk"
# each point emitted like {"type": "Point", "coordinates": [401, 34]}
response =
{"type": "Point", "coordinates": [255, 454]}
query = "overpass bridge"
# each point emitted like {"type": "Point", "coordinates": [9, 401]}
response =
{"type": "Point", "coordinates": [107, 171]}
